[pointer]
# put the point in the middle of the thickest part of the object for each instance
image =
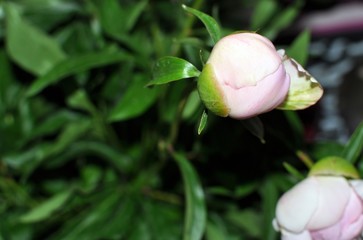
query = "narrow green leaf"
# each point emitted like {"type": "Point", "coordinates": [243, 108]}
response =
{"type": "Point", "coordinates": [210, 23]}
{"type": "Point", "coordinates": [282, 20]}
{"type": "Point", "coordinates": [195, 219]}
{"type": "Point", "coordinates": [47, 208]}
{"type": "Point", "coordinates": [85, 224]}
{"type": "Point", "coordinates": [80, 100]}
{"type": "Point", "coordinates": [293, 171]}
{"type": "Point", "coordinates": [108, 11]}
{"type": "Point", "coordinates": [192, 105]}
{"type": "Point", "coordinates": [219, 229]}
{"type": "Point", "coordinates": [169, 69]}
{"type": "Point", "coordinates": [203, 122]}
{"type": "Point", "coordinates": [118, 160]}
{"type": "Point", "coordinates": [295, 122]}
{"type": "Point", "coordinates": [248, 221]}
{"type": "Point", "coordinates": [52, 123]}
{"type": "Point", "coordinates": [255, 126]}
{"type": "Point", "coordinates": [71, 132]}
{"type": "Point", "coordinates": [6, 75]}
{"type": "Point", "coordinates": [263, 13]}
{"type": "Point", "coordinates": [135, 101]}
{"type": "Point", "coordinates": [76, 64]}
{"type": "Point", "coordinates": [214, 232]}
{"type": "Point", "coordinates": [269, 195]}
{"type": "Point", "coordinates": [354, 147]}
{"type": "Point", "coordinates": [28, 46]}
{"type": "Point", "coordinates": [134, 13]}
{"type": "Point", "coordinates": [245, 189]}
{"type": "Point", "coordinates": [218, 190]}
{"type": "Point", "coordinates": [126, 16]}
{"type": "Point", "coordinates": [299, 49]}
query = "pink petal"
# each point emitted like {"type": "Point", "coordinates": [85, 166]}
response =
{"type": "Point", "coordinates": [305, 235]}
{"type": "Point", "coordinates": [348, 227]}
{"type": "Point", "coordinates": [352, 221]}
{"type": "Point", "coordinates": [253, 100]}
{"type": "Point", "coordinates": [243, 59]}
{"type": "Point", "coordinates": [333, 197]}
{"type": "Point", "coordinates": [296, 207]}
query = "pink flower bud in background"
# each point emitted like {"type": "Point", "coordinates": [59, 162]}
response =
{"type": "Point", "coordinates": [321, 207]}
{"type": "Point", "coordinates": [248, 74]}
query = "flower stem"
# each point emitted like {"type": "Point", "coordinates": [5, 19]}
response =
{"type": "Point", "coordinates": [305, 158]}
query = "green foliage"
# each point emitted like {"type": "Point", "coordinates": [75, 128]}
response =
{"type": "Point", "coordinates": [299, 49]}
{"type": "Point", "coordinates": [195, 215]}
{"type": "Point", "coordinates": [269, 17]}
{"type": "Point", "coordinates": [45, 209]}
{"type": "Point", "coordinates": [29, 46]}
{"type": "Point", "coordinates": [74, 65]}
{"type": "Point", "coordinates": [90, 150]}
{"type": "Point", "coordinates": [353, 149]}
{"type": "Point", "coordinates": [136, 100]}
{"type": "Point", "coordinates": [203, 122]}
{"type": "Point", "coordinates": [209, 22]}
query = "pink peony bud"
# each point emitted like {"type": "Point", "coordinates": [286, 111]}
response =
{"type": "Point", "coordinates": [245, 76]}
{"type": "Point", "coordinates": [321, 208]}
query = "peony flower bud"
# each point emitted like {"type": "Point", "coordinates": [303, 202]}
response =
{"type": "Point", "coordinates": [245, 76]}
{"type": "Point", "coordinates": [321, 207]}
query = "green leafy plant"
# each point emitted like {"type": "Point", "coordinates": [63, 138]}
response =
{"type": "Point", "coordinates": [100, 140]}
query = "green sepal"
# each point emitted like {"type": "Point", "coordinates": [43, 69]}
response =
{"type": "Point", "coordinates": [210, 93]}
{"type": "Point", "coordinates": [334, 166]}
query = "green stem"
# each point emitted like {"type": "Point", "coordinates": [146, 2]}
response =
{"type": "Point", "coordinates": [174, 128]}
{"type": "Point", "coordinates": [305, 159]}
{"type": "Point", "coordinates": [162, 196]}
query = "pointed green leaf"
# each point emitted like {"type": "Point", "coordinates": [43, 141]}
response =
{"type": "Point", "coordinates": [76, 64]}
{"type": "Point", "coordinates": [192, 105]}
{"type": "Point", "coordinates": [299, 49]}
{"type": "Point", "coordinates": [80, 100]}
{"type": "Point", "coordinates": [282, 20]}
{"type": "Point", "coordinates": [255, 126]}
{"type": "Point", "coordinates": [47, 208]}
{"type": "Point", "coordinates": [263, 12]}
{"type": "Point", "coordinates": [304, 90]}
{"type": "Point", "coordinates": [210, 23]}
{"type": "Point", "coordinates": [269, 194]}
{"type": "Point", "coordinates": [293, 171]}
{"type": "Point", "coordinates": [203, 122]}
{"type": "Point", "coordinates": [354, 147]}
{"type": "Point", "coordinates": [6, 75]}
{"type": "Point", "coordinates": [195, 218]}
{"type": "Point", "coordinates": [53, 123]}
{"type": "Point", "coordinates": [248, 221]}
{"type": "Point", "coordinates": [169, 69]}
{"type": "Point", "coordinates": [28, 46]}
{"type": "Point", "coordinates": [135, 101]}
{"type": "Point", "coordinates": [214, 232]}
{"type": "Point", "coordinates": [109, 10]}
